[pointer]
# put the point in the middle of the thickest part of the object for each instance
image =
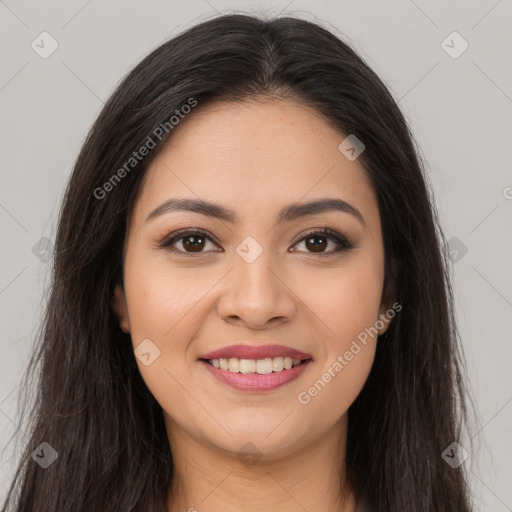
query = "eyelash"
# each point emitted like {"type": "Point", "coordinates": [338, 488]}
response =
{"type": "Point", "coordinates": [342, 242]}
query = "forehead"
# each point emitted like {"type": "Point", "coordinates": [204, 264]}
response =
{"type": "Point", "coordinates": [253, 153]}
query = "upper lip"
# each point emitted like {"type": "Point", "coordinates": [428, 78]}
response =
{"type": "Point", "coordinates": [243, 351]}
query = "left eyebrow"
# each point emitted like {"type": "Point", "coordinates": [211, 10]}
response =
{"type": "Point", "coordinates": [287, 214]}
{"type": "Point", "coordinates": [298, 210]}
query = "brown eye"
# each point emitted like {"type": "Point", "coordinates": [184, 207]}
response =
{"type": "Point", "coordinates": [187, 243]}
{"type": "Point", "coordinates": [194, 243]}
{"type": "Point", "coordinates": [318, 241]}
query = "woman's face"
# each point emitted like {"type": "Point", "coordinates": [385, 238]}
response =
{"type": "Point", "coordinates": [254, 276]}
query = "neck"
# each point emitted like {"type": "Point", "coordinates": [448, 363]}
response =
{"type": "Point", "coordinates": [208, 479]}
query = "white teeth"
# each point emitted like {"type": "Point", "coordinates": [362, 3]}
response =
{"type": "Point", "coordinates": [247, 365]}
{"type": "Point", "coordinates": [234, 364]}
{"type": "Point", "coordinates": [259, 366]}
{"type": "Point", "coordinates": [277, 364]}
{"type": "Point", "coordinates": [264, 366]}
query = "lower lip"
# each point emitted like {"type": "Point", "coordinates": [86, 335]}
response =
{"type": "Point", "coordinates": [254, 381]}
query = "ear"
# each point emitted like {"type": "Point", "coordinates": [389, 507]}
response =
{"type": "Point", "coordinates": [120, 308]}
{"type": "Point", "coordinates": [388, 306]}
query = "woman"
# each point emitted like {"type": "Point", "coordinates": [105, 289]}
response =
{"type": "Point", "coordinates": [250, 309]}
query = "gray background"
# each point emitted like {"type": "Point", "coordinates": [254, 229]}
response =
{"type": "Point", "coordinates": [459, 110]}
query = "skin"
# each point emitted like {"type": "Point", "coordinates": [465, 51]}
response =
{"type": "Point", "coordinates": [255, 156]}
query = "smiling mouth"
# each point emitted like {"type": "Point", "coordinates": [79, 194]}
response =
{"type": "Point", "coordinates": [256, 366]}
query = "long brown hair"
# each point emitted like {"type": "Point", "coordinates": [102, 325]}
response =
{"type": "Point", "coordinates": [92, 405]}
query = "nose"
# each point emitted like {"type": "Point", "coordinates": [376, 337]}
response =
{"type": "Point", "coordinates": [256, 294]}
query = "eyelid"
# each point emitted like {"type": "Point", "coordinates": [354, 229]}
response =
{"type": "Point", "coordinates": [343, 243]}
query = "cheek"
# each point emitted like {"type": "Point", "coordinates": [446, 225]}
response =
{"type": "Point", "coordinates": [347, 309]}
{"type": "Point", "coordinates": [162, 299]}
{"type": "Point", "coordinates": [346, 299]}
{"type": "Point", "coordinates": [336, 384]}
{"type": "Point", "coordinates": [167, 307]}
{"type": "Point", "coordinates": [347, 304]}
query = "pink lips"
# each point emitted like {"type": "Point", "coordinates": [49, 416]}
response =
{"type": "Point", "coordinates": [241, 351]}
{"type": "Point", "coordinates": [253, 381]}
